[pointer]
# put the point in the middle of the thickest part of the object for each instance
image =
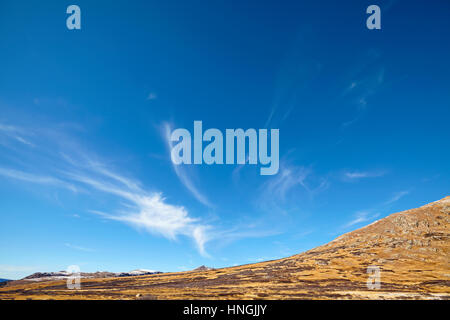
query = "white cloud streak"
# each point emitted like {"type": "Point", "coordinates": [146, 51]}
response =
{"type": "Point", "coordinates": [289, 178]}
{"type": "Point", "coordinates": [140, 208]}
{"type": "Point", "coordinates": [355, 175]}
{"type": "Point", "coordinates": [66, 165]}
{"type": "Point", "coordinates": [182, 174]}
{"type": "Point", "coordinates": [397, 196]}
{"type": "Point", "coordinates": [360, 217]}
{"type": "Point", "coordinates": [145, 210]}
{"type": "Point", "coordinates": [15, 133]}
{"type": "Point", "coordinates": [79, 248]}
{"type": "Point", "coordinates": [28, 177]}
{"type": "Point", "coordinates": [365, 84]}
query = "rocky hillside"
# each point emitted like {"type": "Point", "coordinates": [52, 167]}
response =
{"type": "Point", "coordinates": [410, 248]}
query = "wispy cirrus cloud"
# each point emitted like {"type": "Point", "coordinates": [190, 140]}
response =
{"type": "Point", "coordinates": [285, 192]}
{"type": "Point", "coordinates": [145, 210]}
{"type": "Point", "coordinates": [181, 173]}
{"type": "Point", "coordinates": [65, 164]}
{"type": "Point", "coordinates": [22, 140]}
{"type": "Point", "coordinates": [360, 217]}
{"type": "Point", "coordinates": [38, 179]}
{"type": "Point", "coordinates": [79, 248]}
{"type": "Point", "coordinates": [291, 177]}
{"type": "Point", "coordinates": [370, 214]}
{"type": "Point", "coordinates": [298, 70]}
{"type": "Point", "coordinates": [72, 168]}
{"type": "Point", "coordinates": [244, 232]}
{"type": "Point", "coordinates": [397, 196]}
{"type": "Point", "coordinates": [15, 133]}
{"type": "Point", "coordinates": [364, 82]}
{"type": "Point", "coordinates": [356, 175]}
{"type": "Point", "coordinates": [288, 178]}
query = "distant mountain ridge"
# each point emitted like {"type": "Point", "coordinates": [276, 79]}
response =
{"type": "Point", "coordinates": [203, 268]}
{"type": "Point", "coordinates": [60, 275]}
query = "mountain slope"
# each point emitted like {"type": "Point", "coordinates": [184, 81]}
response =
{"type": "Point", "coordinates": [411, 249]}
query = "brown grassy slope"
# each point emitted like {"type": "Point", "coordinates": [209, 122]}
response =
{"type": "Point", "coordinates": [410, 247]}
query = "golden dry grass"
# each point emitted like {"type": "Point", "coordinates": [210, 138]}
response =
{"type": "Point", "coordinates": [410, 247]}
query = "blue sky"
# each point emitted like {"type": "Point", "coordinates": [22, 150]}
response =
{"type": "Point", "coordinates": [85, 170]}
